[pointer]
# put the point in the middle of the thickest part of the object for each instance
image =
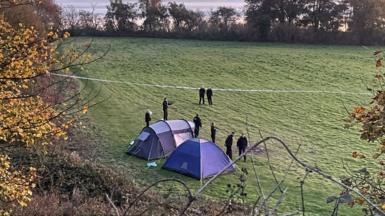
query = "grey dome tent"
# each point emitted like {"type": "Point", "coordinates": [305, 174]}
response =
{"type": "Point", "coordinates": [161, 139]}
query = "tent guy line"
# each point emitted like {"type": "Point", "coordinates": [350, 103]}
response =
{"type": "Point", "coordinates": [214, 89]}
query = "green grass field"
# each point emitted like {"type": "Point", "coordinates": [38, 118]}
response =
{"type": "Point", "coordinates": [314, 120]}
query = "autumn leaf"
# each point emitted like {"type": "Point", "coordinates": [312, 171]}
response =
{"type": "Point", "coordinates": [85, 109]}
{"type": "Point", "coordinates": [66, 35]}
{"type": "Point", "coordinates": [360, 201]}
{"type": "Point", "coordinates": [359, 110]}
{"type": "Point", "coordinates": [358, 155]}
{"type": "Point", "coordinates": [15, 186]}
{"type": "Point", "coordinates": [379, 63]}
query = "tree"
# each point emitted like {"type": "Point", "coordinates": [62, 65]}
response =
{"type": "Point", "coordinates": [155, 15]}
{"type": "Point", "coordinates": [24, 56]}
{"type": "Point", "coordinates": [42, 15]}
{"type": "Point", "coordinates": [290, 11]}
{"type": "Point", "coordinates": [26, 117]}
{"type": "Point", "coordinates": [367, 17]}
{"type": "Point", "coordinates": [179, 14]}
{"type": "Point", "coordinates": [80, 21]}
{"type": "Point", "coordinates": [184, 19]}
{"type": "Point", "coordinates": [121, 17]}
{"type": "Point", "coordinates": [324, 15]}
{"type": "Point", "coordinates": [70, 18]}
{"type": "Point", "coordinates": [86, 20]}
{"type": "Point", "coordinates": [194, 20]}
{"type": "Point", "coordinates": [259, 17]}
{"type": "Point", "coordinates": [371, 119]}
{"type": "Point", "coordinates": [23, 118]}
{"type": "Point", "coordinates": [223, 17]}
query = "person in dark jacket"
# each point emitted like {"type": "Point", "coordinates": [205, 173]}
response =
{"type": "Point", "coordinates": [198, 124]}
{"type": "Point", "coordinates": [242, 145]}
{"type": "Point", "coordinates": [213, 131]}
{"type": "Point", "coordinates": [147, 118]}
{"type": "Point", "coordinates": [209, 94]}
{"type": "Point", "coordinates": [229, 144]}
{"type": "Point", "coordinates": [165, 109]}
{"type": "Point", "coordinates": [202, 92]}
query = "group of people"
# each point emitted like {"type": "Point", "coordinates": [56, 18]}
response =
{"type": "Point", "coordinates": [209, 94]}
{"type": "Point", "coordinates": [242, 142]}
{"type": "Point", "coordinates": [166, 104]}
{"type": "Point", "coordinates": [148, 114]}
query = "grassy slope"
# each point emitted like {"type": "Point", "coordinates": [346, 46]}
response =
{"type": "Point", "coordinates": [313, 120]}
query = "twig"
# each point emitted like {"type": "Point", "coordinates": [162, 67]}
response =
{"type": "Point", "coordinates": [279, 202]}
{"type": "Point", "coordinates": [113, 205]}
{"type": "Point", "coordinates": [256, 176]}
{"type": "Point", "coordinates": [255, 172]}
{"type": "Point", "coordinates": [269, 162]}
{"type": "Point", "coordinates": [302, 199]}
{"type": "Point", "coordinates": [302, 182]}
{"type": "Point", "coordinates": [228, 202]}
{"type": "Point", "coordinates": [263, 204]}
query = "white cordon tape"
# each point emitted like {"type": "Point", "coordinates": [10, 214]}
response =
{"type": "Point", "coordinates": [214, 89]}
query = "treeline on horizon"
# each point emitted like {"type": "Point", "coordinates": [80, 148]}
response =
{"type": "Point", "coordinates": [292, 21]}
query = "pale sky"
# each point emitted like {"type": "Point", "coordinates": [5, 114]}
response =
{"type": "Point", "coordinates": [202, 5]}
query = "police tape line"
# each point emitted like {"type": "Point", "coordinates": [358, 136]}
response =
{"type": "Point", "coordinates": [214, 89]}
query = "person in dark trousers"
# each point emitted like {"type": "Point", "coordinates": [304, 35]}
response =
{"type": "Point", "coordinates": [209, 94]}
{"type": "Point", "coordinates": [198, 124]}
{"type": "Point", "coordinates": [202, 92]}
{"type": "Point", "coordinates": [165, 109]}
{"type": "Point", "coordinates": [242, 145]}
{"type": "Point", "coordinates": [147, 117]}
{"type": "Point", "coordinates": [213, 131]}
{"type": "Point", "coordinates": [229, 144]}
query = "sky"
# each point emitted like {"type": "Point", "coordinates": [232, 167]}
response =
{"type": "Point", "coordinates": [202, 5]}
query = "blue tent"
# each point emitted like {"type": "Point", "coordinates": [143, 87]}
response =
{"type": "Point", "coordinates": [198, 158]}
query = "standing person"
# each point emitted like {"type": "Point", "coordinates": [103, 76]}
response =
{"type": "Point", "coordinates": [165, 109]}
{"type": "Point", "coordinates": [198, 124]}
{"type": "Point", "coordinates": [242, 145]}
{"type": "Point", "coordinates": [229, 144]}
{"type": "Point", "coordinates": [213, 131]}
{"type": "Point", "coordinates": [202, 95]}
{"type": "Point", "coordinates": [209, 94]}
{"type": "Point", "coordinates": [147, 117]}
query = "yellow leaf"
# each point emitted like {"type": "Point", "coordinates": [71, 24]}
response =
{"type": "Point", "coordinates": [85, 109]}
{"type": "Point", "coordinates": [66, 35]}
